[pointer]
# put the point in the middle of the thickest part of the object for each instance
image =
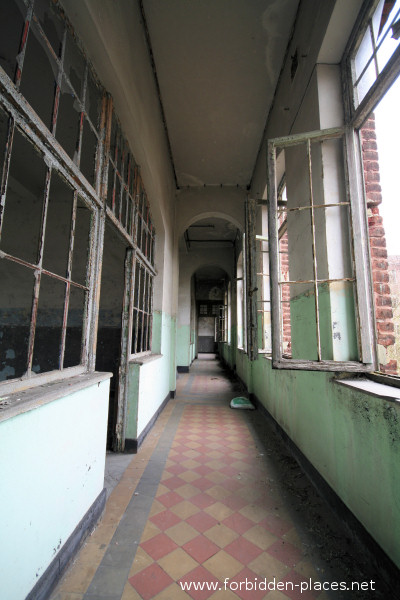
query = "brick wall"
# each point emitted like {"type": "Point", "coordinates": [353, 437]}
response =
{"type": "Point", "coordinates": [377, 240]}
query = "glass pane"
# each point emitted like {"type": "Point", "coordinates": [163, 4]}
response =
{"type": "Point", "coordinates": [88, 153]}
{"type": "Point", "coordinates": [11, 28]}
{"type": "Point", "coordinates": [81, 242]}
{"type": "Point", "coordinates": [93, 101]}
{"type": "Point", "coordinates": [134, 330]}
{"type": "Point", "coordinates": [39, 76]}
{"type": "Point", "coordinates": [15, 316]}
{"type": "Point", "coordinates": [51, 23]}
{"type": "Point", "coordinates": [364, 53]}
{"type": "Point", "coordinates": [67, 132]}
{"type": "Point", "coordinates": [110, 185]}
{"type": "Point", "coordinates": [117, 197]}
{"type": "Point", "coordinates": [46, 351]}
{"type": "Point", "coordinates": [58, 226]}
{"type": "Point", "coordinates": [24, 201]}
{"type": "Point", "coordinates": [74, 332]}
{"type": "Point", "coordinates": [337, 321]}
{"type": "Point", "coordinates": [74, 65]}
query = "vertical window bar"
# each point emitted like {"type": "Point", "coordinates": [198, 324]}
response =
{"type": "Point", "coordinates": [374, 49]}
{"type": "Point", "coordinates": [38, 272]}
{"type": "Point", "coordinates": [6, 167]}
{"type": "Point", "coordinates": [137, 270]}
{"type": "Point", "coordinates": [59, 81]}
{"type": "Point", "coordinates": [22, 49]}
{"type": "Point", "coordinates": [68, 286]}
{"type": "Point", "coordinates": [314, 248]}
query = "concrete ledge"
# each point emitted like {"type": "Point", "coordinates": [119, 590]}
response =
{"type": "Point", "coordinates": [59, 565]}
{"type": "Point", "coordinates": [133, 445]}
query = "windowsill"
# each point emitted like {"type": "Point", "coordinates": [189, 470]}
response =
{"type": "Point", "coordinates": [17, 403]}
{"type": "Point", "coordinates": [372, 388]}
{"type": "Point", "coordinates": [143, 360]}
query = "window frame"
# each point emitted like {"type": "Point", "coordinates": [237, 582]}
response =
{"type": "Point", "coordinates": [360, 256]}
{"type": "Point", "coordinates": [93, 195]}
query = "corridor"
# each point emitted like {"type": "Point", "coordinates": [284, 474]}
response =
{"type": "Point", "coordinates": [213, 496]}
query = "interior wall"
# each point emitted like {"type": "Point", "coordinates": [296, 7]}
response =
{"type": "Point", "coordinates": [113, 36]}
{"type": "Point", "coordinates": [51, 472]}
{"type": "Point", "coordinates": [349, 436]}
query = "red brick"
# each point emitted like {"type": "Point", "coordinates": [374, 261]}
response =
{"type": "Point", "coordinates": [380, 276]}
{"type": "Point", "coordinates": [381, 288]}
{"type": "Point", "coordinates": [386, 340]}
{"type": "Point", "coordinates": [375, 197]}
{"type": "Point", "coordinates": [372, 175]}
{"type": "Point", "coordinates": [380, 264]}
{"type": "Point", "coordinates": [369, 145]}
{"type": "Point", "coordinates": [378, 243]}
{"type": "Point", "coordinates": [368, 134]}
{"type": "Point", "coordinates": [384, 313]}
{"type": "Point", "coordinates": [373, 188]}
{"type": "Point", "coordinates": [370, 155]}
{"type": "Point", "coordinates": [375, 220]}
{"type": "Point", "coordinates": [383, 300]}
{"type": "Point", "coordinates": [387, 327]}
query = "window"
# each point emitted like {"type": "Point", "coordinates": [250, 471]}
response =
{"type": "Point", "coordinates": [241, 300]}
{"type": "Point", "coordinates": [60, 140]}
{"type": "Point", "coordinates": [372, 67]}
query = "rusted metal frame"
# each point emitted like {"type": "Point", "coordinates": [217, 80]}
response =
{"type": "Point", "coordinates": [323, 365]}
{"type": "Point", "coordinates": [38, 273]}
{"type": "Point", "coordinates": [123, 371]}
{"type": "Point", "coordinates": [128, 195]}
{"type": "Point", "coordinates": [22, 49]}
{"type": "Point", "coordinates": [6, 168]}
{"type": "Point", "coordinates": [298, 208]}
{"type": "Point", "coordinates": [142, 309]}
{"type": "Point", "coordinates": [314, 250]}
{"type": "Point", "coordinates": [32, 126]}
{"type": "Point", "coordinates": [60, 64]}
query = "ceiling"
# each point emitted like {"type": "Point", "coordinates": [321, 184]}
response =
{"type": "Point", "coordinates": [217, 63]}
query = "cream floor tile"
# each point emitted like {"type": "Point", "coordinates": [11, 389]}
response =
{"type": "Point", "coordinates": [177, 563]}
{"type": "Point", "coordinates": [223, 565]}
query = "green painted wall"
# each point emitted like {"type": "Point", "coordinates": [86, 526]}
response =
{"type": "Point", "coordinates": [150, 383]}
{"type": "Point", "coordinates": [52, 470]}
{"type": "Point", "coordinates": [351, 438]}
{"type": "Point", "coordinates": [183, 346]}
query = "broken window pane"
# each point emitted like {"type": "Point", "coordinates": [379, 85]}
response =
{"type": "Point", "coordinates": [39, 74]}
{"type": "Point", "coordinates": [58, 226]}
{"type": "Point", "coordinates": [73, 338]}
{"type": "Point", "coordinates": [50, 314]}
{"type": "Point", "coordinates": [11, 28]}
{"type": "Point", "coordinates": [24, 201]}
{"type": "Point", "coordinates": [81, 242]}
{"type": "Point", "coordinates": [51, 23]}
{"type": "Point", "coordinates": [15, 316]}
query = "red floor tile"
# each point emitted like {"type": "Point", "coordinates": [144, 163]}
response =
{"type": "Point", "coordinates": [150, 581]}
{"type": "Point", "coordinates": [238, 523]}
{"type": "Point", "coordinates": [243, 550]}
{"type": "Point", "coordinates": [276, 525]}
{"type": "Point", "coordinates": [203, 484]}
{"type": "Point", "coordinates": [202, 500]}
{"type": "Point", "coordinates": [165, 519]}
{"type": "Point", "coordinates": [158, 546]}
{"type": "Point", "coordinates": [170, 499]}
{"type": "Point", "coordinates": [202, 521]}
{"type": "Point", "coordinates": [201, 548]}
{"type": "Point", "coordinates": [173, 482]}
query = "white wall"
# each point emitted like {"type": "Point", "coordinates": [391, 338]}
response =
{"type": "Point", "coordinates": [52, 470]}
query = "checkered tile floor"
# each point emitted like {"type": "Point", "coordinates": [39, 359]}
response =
{"type": "Point", "coordinates": [216, 513]}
